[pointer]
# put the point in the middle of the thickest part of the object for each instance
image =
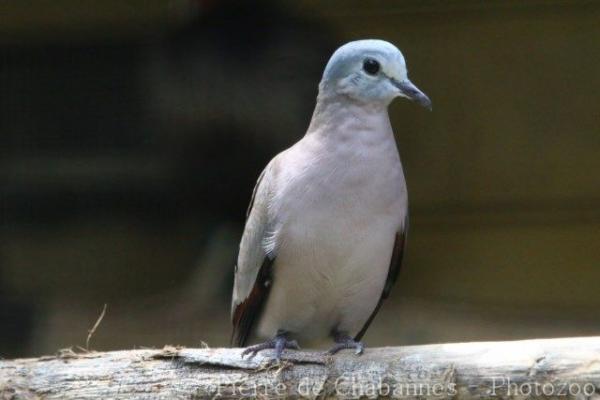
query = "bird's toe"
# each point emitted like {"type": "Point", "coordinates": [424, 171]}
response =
{"type": "Point", "coordinates": [249, 352]}
{"type": "Point", "coordinates": [279, 344]}
{"type": "Point", "coordinates": [360, 348]}
{"type": "Point", "coordinates": [252, 351]}
{"type": "Point", "coordinates": [293, 344]}
{"type": "Point", "coordinates": [346, 342]}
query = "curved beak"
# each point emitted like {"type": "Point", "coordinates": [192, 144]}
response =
{"type": "Point", "coordinates": [411, 92]}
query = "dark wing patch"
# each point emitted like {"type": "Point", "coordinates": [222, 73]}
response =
{"type": "Point", "coordinates": [395, 263]}
{"type": "Point", "coordinates": [248, 312]}
{"type": "Point", "coordinates": [394, 271]}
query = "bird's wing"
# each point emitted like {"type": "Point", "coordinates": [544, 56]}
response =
{"type": "Point", "coordinates": [253, 268]}
{"type": "Point", "coordinates": [393, 272]}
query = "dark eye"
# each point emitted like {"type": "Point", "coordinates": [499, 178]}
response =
{"type": "Point", "coordinates": [371, 66]}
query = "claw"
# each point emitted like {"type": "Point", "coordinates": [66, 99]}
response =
{"type": "Point", "coordinates": [278, 343]}
{"type": "Point", "coordinates": [293, 344]}
{"type": "Point", "coordinates": [250, 350]}
{"type": "Point", "coordinates": [344, 341]}
{"type": "Point", "coordinates": [360, 348]}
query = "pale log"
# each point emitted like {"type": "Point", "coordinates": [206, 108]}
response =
{"type": "Point", "coordinates": [566, 368]}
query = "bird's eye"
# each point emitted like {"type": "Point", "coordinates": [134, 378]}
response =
{"type": "Point", "coordinates": [371, 66]}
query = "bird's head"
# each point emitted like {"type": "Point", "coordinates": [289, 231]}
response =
{"type": "Point", "coordinates": [370, 71]}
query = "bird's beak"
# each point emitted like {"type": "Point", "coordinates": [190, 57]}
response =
{"type": "Point", "coordinates": [411, 92]}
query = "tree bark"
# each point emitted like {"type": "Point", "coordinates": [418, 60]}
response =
{"type": "Point", "coordinates": [552, 368]}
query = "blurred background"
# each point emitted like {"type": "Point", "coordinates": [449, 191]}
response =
{"type": "Point", "coordinates": [132, 133]}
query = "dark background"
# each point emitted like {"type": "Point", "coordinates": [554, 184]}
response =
{"type": "Point", "coordinates": [132, 132]}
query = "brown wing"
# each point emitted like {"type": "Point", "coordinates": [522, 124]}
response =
{"type": "Point", "coordinates": [247, 312]}
{"type": "Point", "coordinates": [253, 273]}
{"type": "Point", "coordinates": [394, 271]}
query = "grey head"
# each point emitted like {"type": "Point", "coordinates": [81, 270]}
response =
{"type": "Point", "coordinates": [370, 71]}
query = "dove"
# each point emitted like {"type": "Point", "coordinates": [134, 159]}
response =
{"type": "Point", "coordinates": [326, 227]}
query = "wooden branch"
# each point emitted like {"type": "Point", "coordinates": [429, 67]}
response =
{"type": "Point", "coordinates": [558, 368]}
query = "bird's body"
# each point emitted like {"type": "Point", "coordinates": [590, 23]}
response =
{"type": "Point", "coordinates": [326, 226]}
{"type": "Point", "coordinates": [334, 273]}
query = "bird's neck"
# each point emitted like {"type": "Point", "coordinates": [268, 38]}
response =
{"type": "Point", "coordinates": [340, 115]}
